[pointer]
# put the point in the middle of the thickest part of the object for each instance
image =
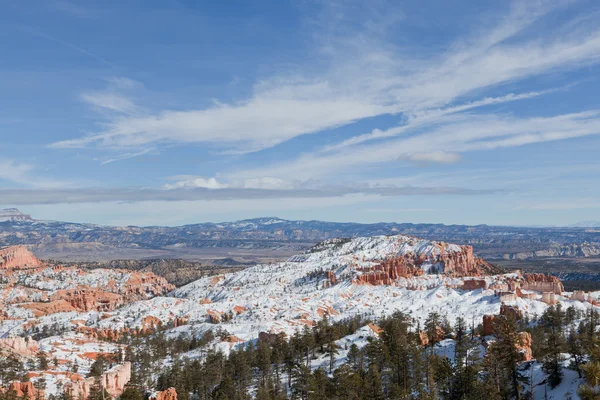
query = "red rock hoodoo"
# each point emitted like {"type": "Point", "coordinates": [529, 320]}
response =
{"type": "Point", "coordinates": [24, 390]}
{"type": "Point", "coordinates": [455, 263]}
{"type": "Point", "coordinates": [169, 394]}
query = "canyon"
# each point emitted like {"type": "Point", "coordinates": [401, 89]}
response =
{"type": "Point", "coordinates": [87, 311]}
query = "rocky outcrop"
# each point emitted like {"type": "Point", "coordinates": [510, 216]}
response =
{"type": "Point", "coordinates": [524, 342]}
{"type": "Point", "coordinates": [169, 394]}
{"type": "Point", "coordinates": [488, 325]}
{"type": "Point", "coordinates": [24, 390]}
{"type": "Point", "coordinates": [424, 338]}
{"type": "Point", "coordinates": [506, 310]}
{"type": "Point", "coordinates": [511, 312]}
{"type": "Point", "coordinates": [463, 263]}
{"type": "Point", "coordinates": [47, 289]}
{"type": "Point", "coordinates": [20, 345]}
{"type": "Point", "coordinates": [580, 295]}
{"type": "Point", "coordinates": [113, 381]}
{"type": "Point", "coordinates": [18, 257]}
{"type": "Point", "coordinates": [40, 309]}
{"type": "Point", "coordinates": [542, 283]}
{"type": "Point", "coordinates": [549, 298]}
{"type": "Point", "coordinates": [450, 260]}
{"type": "Point", "coordinates": [474, 284]}
{"type": "Point", "coordinates": [389, 271]}
{"type": "Point", "coordinates": [85, 299]}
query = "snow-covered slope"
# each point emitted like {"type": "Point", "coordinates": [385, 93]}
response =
{"type": "Point", "coordinates": [340, 278]}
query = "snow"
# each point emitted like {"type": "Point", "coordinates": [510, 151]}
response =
{"type": "Point", "coordinates": [284, 297]}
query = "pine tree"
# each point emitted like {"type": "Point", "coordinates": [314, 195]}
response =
{"type": "Point", "coordinates": [98, 366]}
{"type": "Point", "coordinates": [373, 384]}
{"type": "Point", "coordinates": [552, 322]}
{"type": "Point", "coordinates": [575, 349]}
{"type": "Point", "coordinates": [98, 392]}
{"type": "Point", "coordinates": [42, 361]}
{"type": "Point", "coordinates": [131, 393]}
{"type": "Point", "coordinates": [504, 358]}
{"type": "Point", "coordinates": [590, 390]}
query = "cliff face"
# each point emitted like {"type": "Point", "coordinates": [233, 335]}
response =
{"type": "Point", "coordinates": [464, 263]}
{"type": "Point", "coordinates": [542, 283]}
{"type": "Point", "coordinates": [113, 381]}
{"type": "Point", "coordinates": [25, 390]}
{"type": "Point", "coordinates": [17, 257]}
{"type": "Point", "coordinates": [449, 260]}
{"type": "Point", "coordinates": [20, 345]}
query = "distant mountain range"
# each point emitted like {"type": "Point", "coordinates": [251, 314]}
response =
{"type": "Point", "coordinates": [587, 224]}
{"type": "Point", "coordinates": [273, 237]}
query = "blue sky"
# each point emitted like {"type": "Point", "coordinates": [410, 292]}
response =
{"type": "Point", "coordinates": [173, 112]}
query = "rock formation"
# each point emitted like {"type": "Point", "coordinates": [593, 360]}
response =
{"type": "Point", "coordinates": [455, 262]}
{"type": "Point", "coordinates": [86, 299]}
{"type": "Point", "coordinates": [474, 284]}
{"type": "Point", "coordinates": [169, 394]}
{"type": "Point", "coordinates": [47, 289]}
{"type": "Point", "coordinates": [488, 325]}
{"type": "Point", "coordinates": [463, 263]}
{"type": "Point", "coordinates": [24, 390]}
{"type": "Point", "coordinates": [18, 257]}
{"type": "Point", "coordinates": [549, 298]}
{"type": "Point", "coordinates": [524, 342]}
{"type": "Point", "coordinates": [113, 381]}
{"type": "Point", "coordinates": [542, 283]}
{"type": "Point", "coordinates": [20, 345]}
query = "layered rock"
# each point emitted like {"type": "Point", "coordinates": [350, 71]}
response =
{"type": "Point", "coordinates": [24, 390]}
{"type": "Point", "coordinates": [442, 258]}
{"type": "Point", "coordinates": [20, 345]}
{"type": "Point", "coordinates": [86, 299]}
{"type": "Point", "coordinates": [18, 257]}
{"type": "Point", "coordinates": [113, 381]}
{"type": "Point", "coordinates": [52, 289]}
{"type": "Point", "coordinates": [389, 271]}
{"type": "Point", "coordinates": [542, 283]}
{"type": "Point", "coordinates": [463, 263]}
{"type": "Point", "coordinates": [474, 284]}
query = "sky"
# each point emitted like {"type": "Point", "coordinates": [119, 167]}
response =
{"type": "Point", "coordinates": [178, 111]}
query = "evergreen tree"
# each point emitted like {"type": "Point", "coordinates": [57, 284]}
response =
{"type": "Point", "coordinates": [575, 349]}
{"type": "Point", "coordinates": [98, 366]}
{"type": "Point", "coordinates": [504, 357]}
{"type": "Point", "coordinates": [42, 361]}
{"type": "Point", "coordinates": [373, 388]}
{"type": "Point", "coordinates": [131, 393]}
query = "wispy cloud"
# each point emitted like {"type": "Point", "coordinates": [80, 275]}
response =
{"type": "Point", "coordinates": [439, 156]}
{"type": "Point", "coordinates": [26, 175]}
{"type": "Point", "coordinates": [362, 76]}
{"type": "Point", "coordinates": [70, 45]}
{"type": "Point", "coordinates": [470, 132]}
